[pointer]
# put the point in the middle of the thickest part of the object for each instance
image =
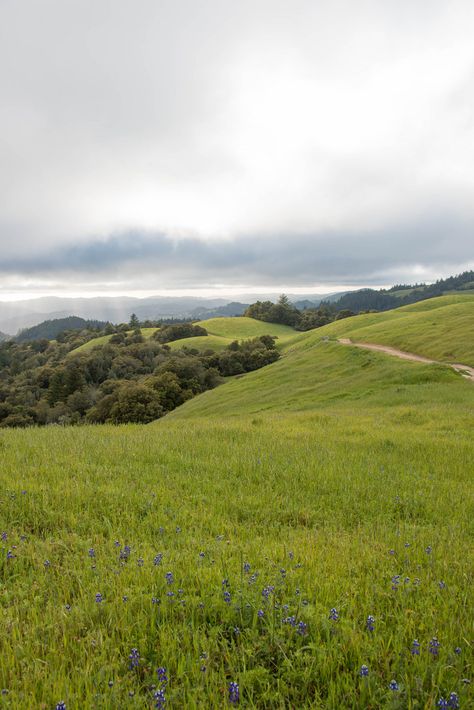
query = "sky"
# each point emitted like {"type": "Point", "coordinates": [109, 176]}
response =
{"type": "Point", "coordinates": [151, 146]}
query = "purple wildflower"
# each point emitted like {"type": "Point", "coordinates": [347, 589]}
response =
{"type": "Point", "coordinates": [393, 685]}
{"type": "Point", "coordinates": [134, 658]}
{"type": "Point", "coordinates": [234, 692]}
{"type": "Point", "coordinates": [364, 671]}
{"type": "Point", "coordinates": [334, 614]}
{"type": "Point", "coordinates": [370, 623]}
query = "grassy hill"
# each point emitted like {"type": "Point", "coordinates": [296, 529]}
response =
{"type": "Point", "coordinates": [291, 506]}
{"type": "Point", "coordinates": [222, 331]}
{"type": "Point", "coordinates": [440, 328]}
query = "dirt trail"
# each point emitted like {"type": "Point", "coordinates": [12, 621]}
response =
{"type": "Point", "coordinates": [464, 370]}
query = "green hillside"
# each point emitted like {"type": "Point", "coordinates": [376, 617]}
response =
{"type": "Point", "coordinates": [440, 328]}
{"type": "Point", "coordinates": [283, 531]}
{"type": "Point", "coordinates": [103, 339]}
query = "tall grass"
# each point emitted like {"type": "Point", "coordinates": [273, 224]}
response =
{"type": "Point", "coordinates": [289, 506]}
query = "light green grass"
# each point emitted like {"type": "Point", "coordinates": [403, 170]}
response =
{"type": "Point", "coordinates": [441, 328]}
{"type": "Point", "coordinates": [339, 466]}
{"type": "Point", "coordinates": [240, 328]}
{"type": "Point", "coordinates": [201, 342]}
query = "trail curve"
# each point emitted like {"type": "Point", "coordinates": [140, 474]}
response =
{"type": "Point", "coordinates": [465, 370]}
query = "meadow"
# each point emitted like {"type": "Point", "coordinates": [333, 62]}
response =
{"type": "Point", "coordinates": [299, 537]}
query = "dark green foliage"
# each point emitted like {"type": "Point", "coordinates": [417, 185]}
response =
{"type": "Point", "coordinates": [51, 329]}
{"type": "Point", "coordinates": [169, 333]}
{"type": "Point", "coordinates": [126, 379]}
{"type": "Point", "coordinates": [282, 312]}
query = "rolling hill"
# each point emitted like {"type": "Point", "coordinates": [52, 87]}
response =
{"type": "Point", "coordinates": [305, 531]}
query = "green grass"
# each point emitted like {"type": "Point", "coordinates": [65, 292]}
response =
{"type": "Point", "coordinates": [326, 465]}
{"type": "Point", "coordinates": [201, 342]}
{"type": "Point", "coordinates": [103, 339]}
{"type": "Point", "coordinates": [241, 328]}
{"type": "Point", "coordinates": [441, 328]}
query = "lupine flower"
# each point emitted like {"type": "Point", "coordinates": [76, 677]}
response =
{"type": "Point", "coordinates": [434, 646]}
{"type": "Point", "coordinates": [116, 543]}
{"type": "Point", "coordinates": [391, 552]}
{"type": "Point", "coordinates": [91, 552]}
{"type": "Point", "coordinates": [154, 600]}
{"type": "Point", "coordinates": [364, 671]}
{"type": "Point", "coordinates": [140, 562]}
{"type": "Point", "coordinates": [246, 567]}
{"type": "Point", "coordinates": [291, 620]}
{"type": "Point", "coordinates": [4, 536]}
{"type": "Point", "coordinates": [266, 591]}
{"type": "Point", "coordinates": [442, 585]}
{"type": "Point", "coordinates": [457, 650]}
{"type": "Point", "coordinates": [160, 698]}
{"type": "Point", "coordinates": [260, 613]}
{"type": "Point", "coordinates": [169, 577]}
{"type": "Point", "coordinates": [47, 563]}
{"type": "Point", "coordinates": [68, 607]}
{"type": "Point", "coordinates": [99, 598]}
{"type": "Point", "coordinates": [202, 554]}
{"type": "Point", "coordinates": [395, 582]}
{"type": "Point", "coordinates": [236, 630]}
{"type": "Point", "coordinates": [134, 658]}
{"type": "Point", "coordinates": [429, 550]}
{"type": "Point", "coordinates": [125, 598]}
{"type": "Point", "coordinates": [61, 705]}
{"type": "Point", "coordinates": [227, 597]}
{"type": "Point", "coordinates": [225, 582]}
{"type": "Point", "coordinates": [302, 628]}
{"type": "Point", "coordinates": [370, 623]}
{"type": "Point", "coordinates": [234, 692]}
{"type": "Point", "coordinates": [10, 555]}
{"type": "Point", "coordinates": [393, 685]}
{"type": "Point", "coordinates": [453, 701]}
{"type": "Point", "coordinates": [178, 529]}
{"type": "Point", "coordinates": [442, 703]}
{"type": "Point", "coordinates": [161, 673]}
{"type": "Point", "coordinates": [291, 555]}
{"type": "Point", "coordinates": [415, 648]}
{"type": "Point", "coordinates": [157, 559]}
{"type": "Point", "coordinates": [283, 573]}
{"type": "Point", "coordinates": [334, 615]}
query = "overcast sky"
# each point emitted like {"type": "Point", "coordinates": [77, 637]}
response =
{"type": "Point", "coordinates": [197, 145]}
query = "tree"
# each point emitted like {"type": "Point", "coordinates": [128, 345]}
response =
{"type": "Point", "coordinates": [134, 322]}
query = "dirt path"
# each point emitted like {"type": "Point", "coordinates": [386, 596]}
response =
{"type": "Point", "coordinates": [464, 370]}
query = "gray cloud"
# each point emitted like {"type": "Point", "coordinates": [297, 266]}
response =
{"type": "Point", "coordinates": [436, 245]}
{"type": "Point", "coordinates": [253, 142]}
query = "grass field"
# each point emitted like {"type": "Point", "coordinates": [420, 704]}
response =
{"type": "Point", "coordinates": [249, 537]}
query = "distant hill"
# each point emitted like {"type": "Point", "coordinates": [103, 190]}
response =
{"type": "Point", "coordinates": [4, 336]}
{"type": "Point", "coordinates": [401, 295]}
{"type": "Point", "coordinates": [50, 329]}
{"type": "Point", "coordinates": [231, 309]}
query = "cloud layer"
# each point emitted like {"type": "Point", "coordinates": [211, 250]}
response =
{"type": "Point", "coordinates": [254, 142]}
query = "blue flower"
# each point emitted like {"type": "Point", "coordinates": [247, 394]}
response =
{"type": "Point", "coordinates": [266, 591]}
{"type": "Point", "coordinates": [234, 692]}
{"type": "Point", "coordinates": [260, 613]}
{"type": "Point", "coordinates": [227, 597]}
{"type": "Point", "coordinates": [47, 563]}
{"type": "Point", "coordinates": [364, 671]}
{"type": "Point", "coordinates": [10, 555]}
{"type": "Point", "coordinates": [160, 698]}
{"type": "Point", "coordinates": [434, 646]}
{"type": "Point", "coordinates": [302, 628]}
{"type": "Point", "coordinates": [246, 567]}
{"type": "Point", "coordinates": [134, 658]}
{"type": "Point", "coordinates": [393, 685]}
{"type": "Point", "coordinates": [442, 703]}
{"type": "Point", "coordinates": [61, 705]}
{"type": "Point", "coordinates": [415, 648]}
{"type": "Point", "coordinates": [91, 552]}
{"type": "Point", "coordinates": [453, 701]}
{"type": "Point", "coordinates": [370, 623]}
{"type": "Point", "coordinates": [169, 577]}
{"type": "Point", "coordinates": [162, 676]}
{"type": "Point", "coordinates": [99, 598]}
{"type": "Point", "coordinates": [457, 650]}
{"type": "Point", "coordinates": [157, 559]}
{"type": "Point", "coordinates": [4, 536]}
{"type": "Point", "coordinates": [334, 615]}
